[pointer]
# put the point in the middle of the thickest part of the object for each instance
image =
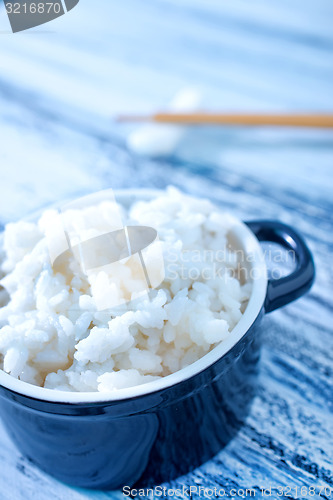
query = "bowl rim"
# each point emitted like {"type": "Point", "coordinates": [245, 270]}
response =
{"type": "Point", "coordinates": [251, 247]}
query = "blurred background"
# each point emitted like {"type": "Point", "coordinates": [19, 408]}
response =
{"type": "Point", "coordinates": [62, 84]}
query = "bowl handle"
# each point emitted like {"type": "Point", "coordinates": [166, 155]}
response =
{"type": "Point", "coordinates": [284, 290]}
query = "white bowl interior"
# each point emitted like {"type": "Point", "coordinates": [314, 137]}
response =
{"type": "Point", "coordinates": [244, 240]}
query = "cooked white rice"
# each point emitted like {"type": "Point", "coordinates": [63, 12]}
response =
{"type": "Point", "coordinates": [53, 335]}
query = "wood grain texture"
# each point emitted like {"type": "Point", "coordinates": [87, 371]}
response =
{"type": "Point", "coordinates": [58, 90]}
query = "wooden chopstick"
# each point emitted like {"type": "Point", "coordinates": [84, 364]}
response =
{"type": "Point", "coordinates": [316, 120]}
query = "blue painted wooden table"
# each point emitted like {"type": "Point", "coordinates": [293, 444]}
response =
{"type": "Point", "coordinates": [59, 86]}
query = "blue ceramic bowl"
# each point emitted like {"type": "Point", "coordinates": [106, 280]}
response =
{"type": "Point", "coordinates": [153, 432]}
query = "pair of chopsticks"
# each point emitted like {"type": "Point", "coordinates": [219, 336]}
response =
{"type": "Point", "coordinates": [315, 120]}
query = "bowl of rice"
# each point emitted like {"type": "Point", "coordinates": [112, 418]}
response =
{"type": "Point", "coordinates": [130, 332]}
